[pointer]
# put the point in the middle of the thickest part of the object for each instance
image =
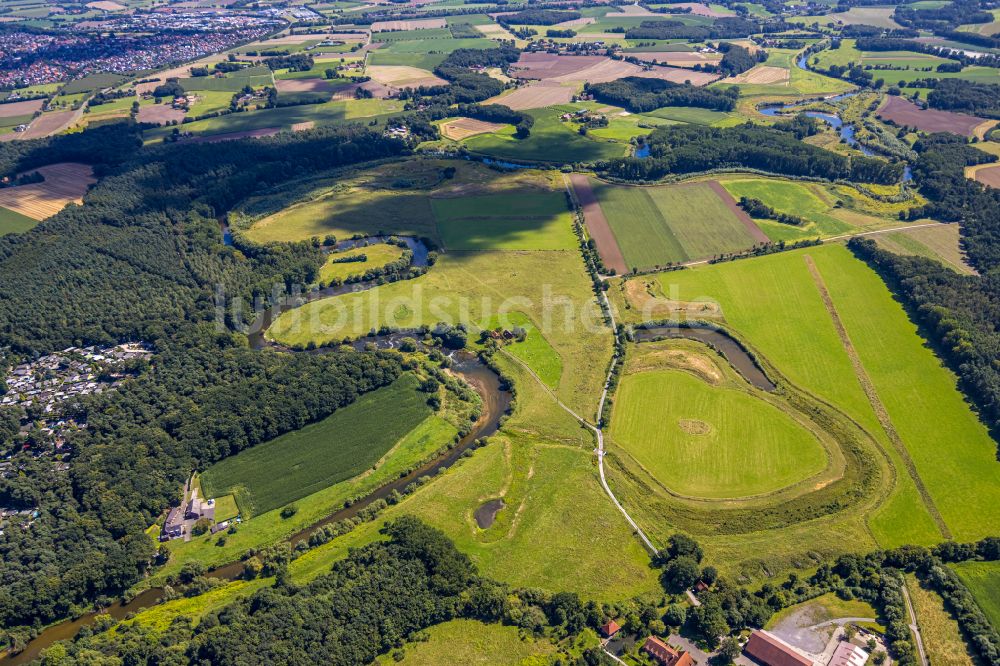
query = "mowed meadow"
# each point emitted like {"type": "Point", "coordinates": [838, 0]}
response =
{"type": "Point", "coordinates": [776, 304]}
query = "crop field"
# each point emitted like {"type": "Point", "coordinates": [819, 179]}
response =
{"type": "Point", "coordinates": [710, 441]}
{"type": "Point", "coordinates": [983, 581]}
{"type": "Point", "coordinates": [92, 82]}
{"type": "Point", "coordinates": [816, 203]}
{"type": "Point", "coordinates": [877, 16]}
{"type": "Point", "coordinates": [502, 222]}
{"type": "Point", "coordinates": [16, 109]}
{"type": "Point", "coordinates": [299, 463]}
{"type": "Point", "coordinates": [655, 226]}
{"type": "Point", "coordinates": [912, 63]}
{"type": "Point", "coordinates": [442, 45]}
{"type": "Point", "coordinates": [472, 642]}
{"type": "Point", "coordinates": [231, 84]}
{"type": "Point", "coordinates": [907, 114]}
{"type": "Point", "coordinates": [942, 638]}
{"type": "Point", "coordinates": [462, 128]}
{"type": "Point", "coordinates": [776, 303]}
{"type": "Point", "coordinates": [384, 57]}
{"type": "Point", "coordinates": [402, 76]}
{"type": "Point", "coordinates": [377, 255]}
{"type": "Point", "coordinates": [550, 140]}
{"type": "Point", "coordinates": [64, 183]}
{"type": "Point", "coordinates": [534, 96]}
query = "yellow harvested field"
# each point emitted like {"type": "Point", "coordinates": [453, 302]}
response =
{"type": "Point", "coordinates": [64, 183]}
{"type": "Point", "coordinates": [417, 24]}
{"type": "Point", "coordinates": [678, 58]}
{"type": "Point", "coordinates": [678, 75]}
{"type": "Point", "coordinates": [463, 128]}
{"type": "Point", "coordinates": [601, 72]}
{"type": "Point", "coordinates": [763, 74]}
{"type": "Point", "coordinates": [575, 23]}
{"type": "Point", "coordinates": [46, 124]}
{"type": "Point", "coordinates": [534, 97]}
{"type": "Point", "coordinates": [402, 76]}
{"type": "Point", "coordinates": [304, 85]}
{"type": "Point", "coordinates": [303, 126]}
{"type": "Point", "coordinates": [494, 31]}
{"type": "Point", "coordinates": [327, 36]}
{"type": "Point", "coordinates": [633, 10]}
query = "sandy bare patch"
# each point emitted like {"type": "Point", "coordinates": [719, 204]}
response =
{"type": "Point", "coordinates": [402, 76]}
{"type": "Point", "coordinates": [159, 114]}
{"type": "Point", "coordinates": [303, 126]}
{"type": "Point", "coordinates": [534, 96]}
{"type": "Point", "coordinates": [697, 364]}
{"type": "Point", "coordinates": [107, 5]}
{"type": "Point", "coordinates": [417, 24]}
{"type": "Point", "coordinates": [64, 183]}
{"type": "Point", "coordinates": [694, 426]}
{"type": "Point", "coordinates": [13, 109]}
{"type": "Point", "coordinates": [904, 112]}
{"type": "Point", "coordinates": [463, 128]}
{"type": "Point", "coordinates": [303, 85]}
{"type": "Point", "coordinates": [646, 297]}
{"type": "Point", "coordinates": [761, 74]}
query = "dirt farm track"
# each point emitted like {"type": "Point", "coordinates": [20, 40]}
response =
{"type": "Point", "coordinates": [597, 224]}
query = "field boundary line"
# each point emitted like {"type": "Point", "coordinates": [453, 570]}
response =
{"type": "Point", "coordinates": [881, 413]}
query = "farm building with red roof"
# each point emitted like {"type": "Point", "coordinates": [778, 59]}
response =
{"type": "Point", "coordinates": [666, 655]}
{"type": "Point", "coordinates": [770, 650]}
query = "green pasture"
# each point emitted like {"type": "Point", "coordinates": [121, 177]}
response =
{"type": "Point", "coordinates": [345, 213]}
{"type": "Point", "coordinates": [658, 225]}
{"type": "Point", "coordinates": [551, 288]}
{"type": "Point", "coordinates": [92, 82]}
{"type": "Point", "coordinates": [535, 351]}
{"type": "Point", "coordinates": [377, 255]}
{"type": "Point", "coordinates": [473, 642]}
{"type": "Point", "coordinates": [710, 441]}
{"type": "Point", "coordinates": [436, 34]}
{"type": "Point", "coordinates": [551, 140]}
{"type": "Point", "coordinates": [952, 450]}
{"type": "Point", "coordinates": [774, 303]}
{"type": "Point", "coordinates": [505, 222]}
{"type": "Point", "coordinates": [330, 113]}
{"type": "Point", "coordinates": [231, 84]}
{"type": "Point", "coordinates": [690, 114]}
{"type": "Point", "coordinates": [445, 46]}
{"type": "Point", "coordinates": [225, 508]}
{"type": "Point", "coordinates": [824, 608]}
{"type": "Point", "coordinates": [983, 581]}
{"type": "Point", "coordinates": [12, 222]}
{"type": "Point", "coordinates": [299, 463]}
{"type": "Point", "coordinates": [14, 121]}
{"type": "Point", "coordinates": [806, 200]}
{"type": "Point", "coordinates": [427, 61]}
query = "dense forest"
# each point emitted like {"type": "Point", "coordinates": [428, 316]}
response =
{"type": "Point", "coordinates": [958, 313]}
{"type": "Point", "coordinates": [151, 223]}
{"type": "Point", "coordinates": [639, 94]}
{"type": "Point", "coordinates": [538, 17]}
{"type": "Point", "coordinates": [691, 148]}
{"type": "Point", "coordinates": [978, 99]}
{"type": "Point", "coordinates": [723, 28]}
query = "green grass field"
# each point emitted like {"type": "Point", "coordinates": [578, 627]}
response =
{"type": "Point", "coordinates": [912, 61]}
{"type": "Point", "coordinates": [825, 607]}
{"type": "Point", "coordinates": [377, 255]}
{"type": "Point", "coordinates": [331, 113]}
{"type": "Point", "coordinates": [707, 441]}
{"type": "Point", "coordinates": [505, 222]}
{"type": "Point", "coordinates": [231, 84]}
{"type": "Point", "coordinates": [942, 637]}
{"type": "Point", "coordinates": [551, 140]}
{"type": "Point", "coordinates": [321, 454]}
{"type": "Point", "coordinates": [535, 351]}
{"type": "Point", "coordinates": [689, 114]}
{"type": "Point", "coordinates": [225, 508]}
{"type": "Point", "coordinates": [92, 82]}
{"type": "Point", "coordinates": [658, 225]}
{"type": "Point", "coordinates": [427, 61]}
{"type": "Point", "coordinates": [983, 581]}
{"type": "Point", "coordinates": [12, 222]}
{"type": "Point", "coordinates": [472, 642]}
{"type": "Point", "coordinates": [441, 45]}
{"type": "Point", "coordinates": [954, 454]}
{"type": "Point", "coordinates": [435, 34]}
{"type": "Point", "coordinates": [775, 303]}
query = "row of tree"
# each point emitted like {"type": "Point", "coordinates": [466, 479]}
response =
{"type": "Point", "coordinates": [692, 148]}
